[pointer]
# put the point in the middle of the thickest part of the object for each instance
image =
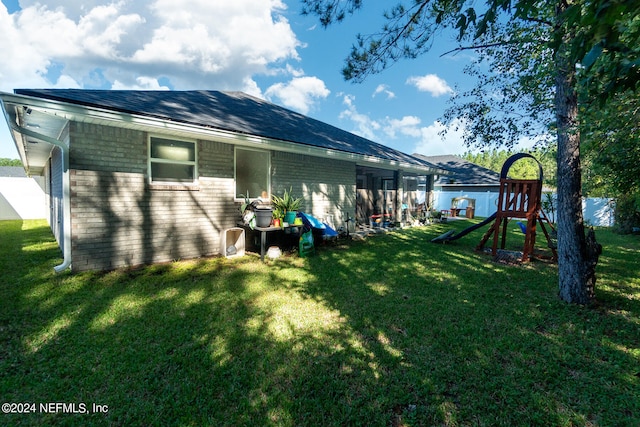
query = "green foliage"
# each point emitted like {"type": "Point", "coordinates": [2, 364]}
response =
{"type": "Point", "coordinates": [627, 213]}
{"type": "Point", "coordinates": [549, 206]}
{"type": "Point", "coordinates": [515, 43]}
{"type": "Point", "coordinates": [246, 202]}
{"type": "Point", "coordinates": [612, 145]}
{"type": "Point", "coordinates": [287, 202]}
{"type": "Point", "coordinates": [524, 168]}
{"type": "Point", "coordinates": [330, 11]}
{"type": "Point", "coordinates": [533, 59]}
{"type": "Point", "coordinates": [10, 162]}
{"type": "Point", "coordinates": [390, 331]}
{"type": "Point", "coordinates": [611, 149]}
{"type": "Point", "coordinates": [612, 58]}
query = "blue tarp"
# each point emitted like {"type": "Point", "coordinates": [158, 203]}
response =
{"type": "Point", "coordinates": [314, 223]}
{"type": "Point", "coordinates": [329, 232]}
{"type": "Point", "coordinates": [311, 221]}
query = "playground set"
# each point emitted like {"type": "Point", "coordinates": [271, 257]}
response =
{"type": "Point", "coordinates": [517, 199]}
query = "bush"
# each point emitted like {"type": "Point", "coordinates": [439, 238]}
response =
{"type": "Point", "coordinates": [627, 213]}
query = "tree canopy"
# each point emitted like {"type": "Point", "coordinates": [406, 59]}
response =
{"type": "Point", "coordinates": [536, 57]}
{"type": "Point", "coordinates": [10, 162]}
{"type": "Point", "coordinates": [523, 169]}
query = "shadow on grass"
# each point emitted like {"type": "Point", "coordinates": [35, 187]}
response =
{"type": "Point", "coordinates": [392, 331]}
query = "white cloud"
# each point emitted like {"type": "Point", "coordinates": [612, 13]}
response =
{"type": "Point", "coordinates": [250, 87]}
{"type": "Point", "coordinates": [385, 90]}
{"type": "Point", "coordinates": [430, 83]}
{"type": "Point", "coordinates": [365, 126]}
{"type": "Point", "coordinates": [408, 125]}
{"type": "Point", "coordinates": [426, 139]}
{"type": "Point", "coordinates": [66, 82]}
{"type": "Point", "coordinates": [295, 72]}
{"type": "Point", "coordinates": [299, 94]}
{"type": "Point", "coordinates": [432, 143]}
{"type": "Point", "coordinates": [210, 44]}
{"type": "Point", "coordinates": [142, 83]}
{"type": "Point", "coordinates": [407, 133]}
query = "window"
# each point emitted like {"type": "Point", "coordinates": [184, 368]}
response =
{"type": "Point", "coordinates": [253, 172]}
{"type": "Point", "coordinates": [172, 160]}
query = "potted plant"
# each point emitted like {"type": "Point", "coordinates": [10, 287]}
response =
{"type": "Point", "coordinates": [278, 216]}
{"type": "Point", "coordinates": [253, 214]}
{"type": "Point", "coordinates": [246, 203]}
{"type": "Point", "coordinates": [287, 204]}
{"type": "Point", "coordinates": [246, 210]}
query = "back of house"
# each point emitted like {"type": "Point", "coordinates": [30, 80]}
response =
{"type": "Point", "coordinates": [138, 177]}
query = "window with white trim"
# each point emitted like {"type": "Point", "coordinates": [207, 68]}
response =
{"type": "Point", "coordinates": [172, 161]}
{"type": "Point", "coordinates": [252, 172]}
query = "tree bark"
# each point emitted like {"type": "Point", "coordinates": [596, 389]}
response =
{"type": "Point", "coordinates": [573, 274]}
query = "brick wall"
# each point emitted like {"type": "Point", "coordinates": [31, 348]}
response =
{"type": "Point", "coordinates": [328, 186]}
{"type": "Point", "coordinates": [118, 219]}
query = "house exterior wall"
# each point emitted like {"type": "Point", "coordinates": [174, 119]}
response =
{"type": "Point", "coordinates": [468, 188]}
{"type": "Point", "coordinates": [120, 219]}
{"type": "Point", "coordinates": [327, 186]}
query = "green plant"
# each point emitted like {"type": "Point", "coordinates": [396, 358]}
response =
{"type": "Point", "coordinates": [287, 202]}
{"type": "Point", "coordinates": [627, 213]}
{"type": "Point", "coordinates": [277, 213]}
{"type": "Point", "coordinates": [549, 206]}
{"type": "Point", "coordinates": [245, 203]}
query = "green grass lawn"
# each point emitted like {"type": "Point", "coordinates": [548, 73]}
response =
{"type": "Point", "coordinates": [392, 331]}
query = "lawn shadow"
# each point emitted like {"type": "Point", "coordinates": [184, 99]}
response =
{"type": "Point", "coordinates": [391, 331]}
{"type": "Point", "coordinates": [463, 339]}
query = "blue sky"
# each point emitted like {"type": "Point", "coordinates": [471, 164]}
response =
{"type": "Point", "coordinates": [265, 48]}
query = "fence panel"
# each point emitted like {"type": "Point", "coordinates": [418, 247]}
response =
{"type": "Point", "coordinates": [596, 211]}
{"type": "Point", "coordinates": [486, 202]}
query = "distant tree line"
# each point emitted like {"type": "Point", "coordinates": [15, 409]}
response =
{"type": "Point", "coordinates": [10, 162]}
{"type": "Point", "coordinates": [524, 168]}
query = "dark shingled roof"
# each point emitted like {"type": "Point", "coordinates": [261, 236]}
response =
{"type": "Point", "coordinates": [231, 111]}
{"type": "Point", "coordinates": [12, 172]}
{"type": "Point", "coordinates": [462, 171]}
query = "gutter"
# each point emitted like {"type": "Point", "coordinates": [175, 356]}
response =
{"type": "Point", "coordinates": [66, 201]}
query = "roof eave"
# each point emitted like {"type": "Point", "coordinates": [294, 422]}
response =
{"type": "Point", "coordinates": [94, 115]}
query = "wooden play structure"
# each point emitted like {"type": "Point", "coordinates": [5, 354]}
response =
{"type": "Point", "coordinates": [519, 199]}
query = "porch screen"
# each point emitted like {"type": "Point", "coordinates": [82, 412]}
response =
{"type": "Point", "coordinates": [172, 160]}
{"type": "Point", "coordinates": [252, 173]}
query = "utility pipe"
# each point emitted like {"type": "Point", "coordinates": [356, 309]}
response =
{"type": "Point", "coordinates": [66, 202]}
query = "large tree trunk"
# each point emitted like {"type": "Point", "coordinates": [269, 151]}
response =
{"type": "Point", "coordinates": [575, 273]}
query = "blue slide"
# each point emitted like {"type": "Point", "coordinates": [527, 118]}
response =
{"type": "Point", "coordinates": [451, 235]}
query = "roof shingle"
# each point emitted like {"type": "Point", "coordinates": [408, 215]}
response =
{"type": "Point", "coordinates": [462, 171]}
{"type": "Point", "coordinates": [231, 111]}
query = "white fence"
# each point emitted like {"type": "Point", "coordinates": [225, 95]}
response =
{"type": "Point", "coordinates": [596, 211]}
{"type": "Point", "coordinates": [22, 198]}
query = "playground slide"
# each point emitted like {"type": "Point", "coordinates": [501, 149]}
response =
{"type": "Point", "coordinates": [450, 235]}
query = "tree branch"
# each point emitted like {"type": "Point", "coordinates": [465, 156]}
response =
{"type": "Point", "coordinates": [489, 45]}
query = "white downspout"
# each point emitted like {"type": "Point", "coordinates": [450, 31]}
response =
{"type": "Point", "coordinates": [66, 201]}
